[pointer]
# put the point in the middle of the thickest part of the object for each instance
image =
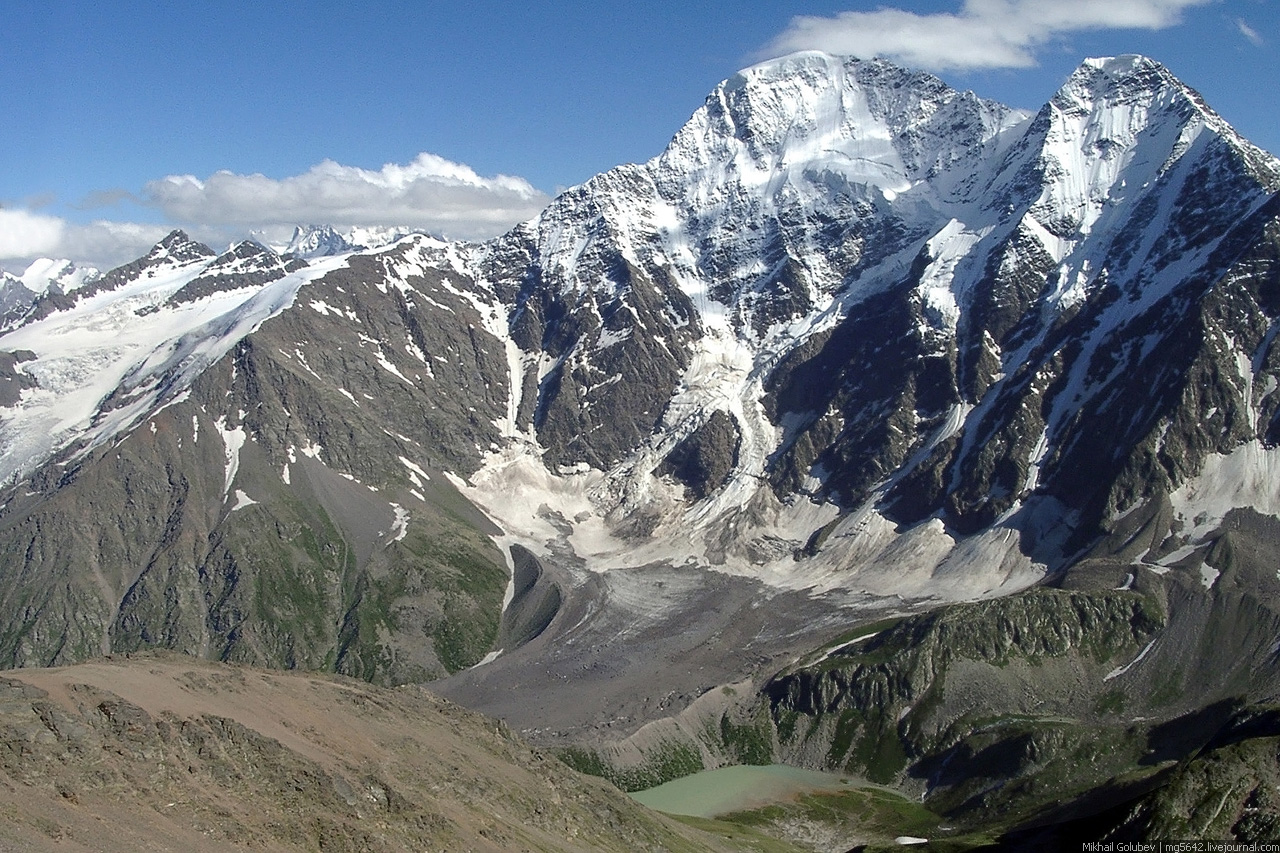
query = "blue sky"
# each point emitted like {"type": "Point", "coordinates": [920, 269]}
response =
{"type": "Point", "coordinates": [120, 116]}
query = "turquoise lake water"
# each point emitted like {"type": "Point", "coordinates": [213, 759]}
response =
{"type": "Point", "coordinates": [729, 789]}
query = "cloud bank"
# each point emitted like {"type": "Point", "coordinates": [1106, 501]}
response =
{"type": "Point", "coordinates": [25, 236]}
{"type": "Point", "coordinates": [430, 193]}
{"type": "Point", "coordinates": [984, 34]}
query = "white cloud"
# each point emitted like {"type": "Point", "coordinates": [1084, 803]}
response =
{"type": "Point", "coordinates": [104, 244]}
{"type": "Point", "coordinates": [1249, 32]}
{"type": "Point", "coordinates": [25, 236]}
{"type": "Point", "coordinates": [983, 34]}
{"type": "Point", "coordinates": [431, 193]}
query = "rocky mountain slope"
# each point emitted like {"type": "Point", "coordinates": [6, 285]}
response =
{"type": "Point", "coordinates": [213, 495]}
{"type": "Point", "coordinates": [855, 344]}
{"type": "Point", "coordinates": [161, 753]}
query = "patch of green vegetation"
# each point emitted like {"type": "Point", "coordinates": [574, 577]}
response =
{"type": "Point", "coordinates": [873, 816]}
{"type": "Point", "coordinates": [586, 761]}
{"type": "Point", "coordinates": [310, 604]}
{"type": "Point", "coordinates": [869, 810]}
{"type": "Point", "coordinates": [748, 743]}
{"type": "Point", "coordinates": [1019, 765]}
{"type": "Point", "coordinates": [464, 635]}
{"type": "Point", "coordinates": [471, 589]}
{"type": "Point", "coordinates": [785, 723]}
{"type": "Point", "coordinates": [865, 742]}
{"type": "Point", "coordinates": [19, 634]}
{"type": "Point", "coordinates": [1110, 703]}
{"type": "Point", "coordinates": [746, 837]}
{"type": "Point", "coordinates": [670, 760]}
{"type": "Point", "coordinates": [881, 753]}
{"type": "Point", "coordinates": [847, 725]}
{"type": "Point", "coordinates": [369, 616]}
{"type": "Point", "coordinates": [291, 590]}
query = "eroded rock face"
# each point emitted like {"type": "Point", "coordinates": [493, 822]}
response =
{"type": "Point", "coordinates": [271, 514]}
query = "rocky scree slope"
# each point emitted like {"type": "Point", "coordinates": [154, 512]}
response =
{"type": "Point", "coordinates": [162, 752]}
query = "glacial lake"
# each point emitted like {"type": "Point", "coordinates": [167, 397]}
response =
{"type": "Point", "coordinates": [730, 789]}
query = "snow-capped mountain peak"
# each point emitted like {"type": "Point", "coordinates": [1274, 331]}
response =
{"type": "Point", "coordinates": [868, 121]}
{"type": "Point", "coordinates": [176, 249]}
{"type": "Point", "coordinates": [317, 241]}
{"type": "Point", "coordinates": [44, 272]}
{"type": "Point", "coordinates": [809, 202]}
{"type": "Point", "coordinates": [44, 278]}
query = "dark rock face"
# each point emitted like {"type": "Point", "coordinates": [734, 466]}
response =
{"type": "Point", "coordinates": [704, 460]}
{"type": "Point", "coordinates": [15, 300]}
{"type": "Point", "coordinates": [1154, 357]}
{"type": "Point", "coordinates": [12, 379]}
{"type": "Point", "coordinates": [615, 352]}
{"type": "Point", "coordinates": [42, 306]}
{"type": "Point", "coordinates": [859, 398]}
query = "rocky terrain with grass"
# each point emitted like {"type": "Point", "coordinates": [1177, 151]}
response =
{"type": "Point", "coordinates": [161, 752]}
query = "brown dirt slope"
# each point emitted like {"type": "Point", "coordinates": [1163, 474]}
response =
{"type": "Point", "coordinates": [163, 752]}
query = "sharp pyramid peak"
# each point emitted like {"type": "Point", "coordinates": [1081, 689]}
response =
{"type": "Point", "coordinates": [1123, 78]}
{"type": "Point", "coordinates": [177, 244]}
{"type": "Point", "coordinates": [1133, 79]}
